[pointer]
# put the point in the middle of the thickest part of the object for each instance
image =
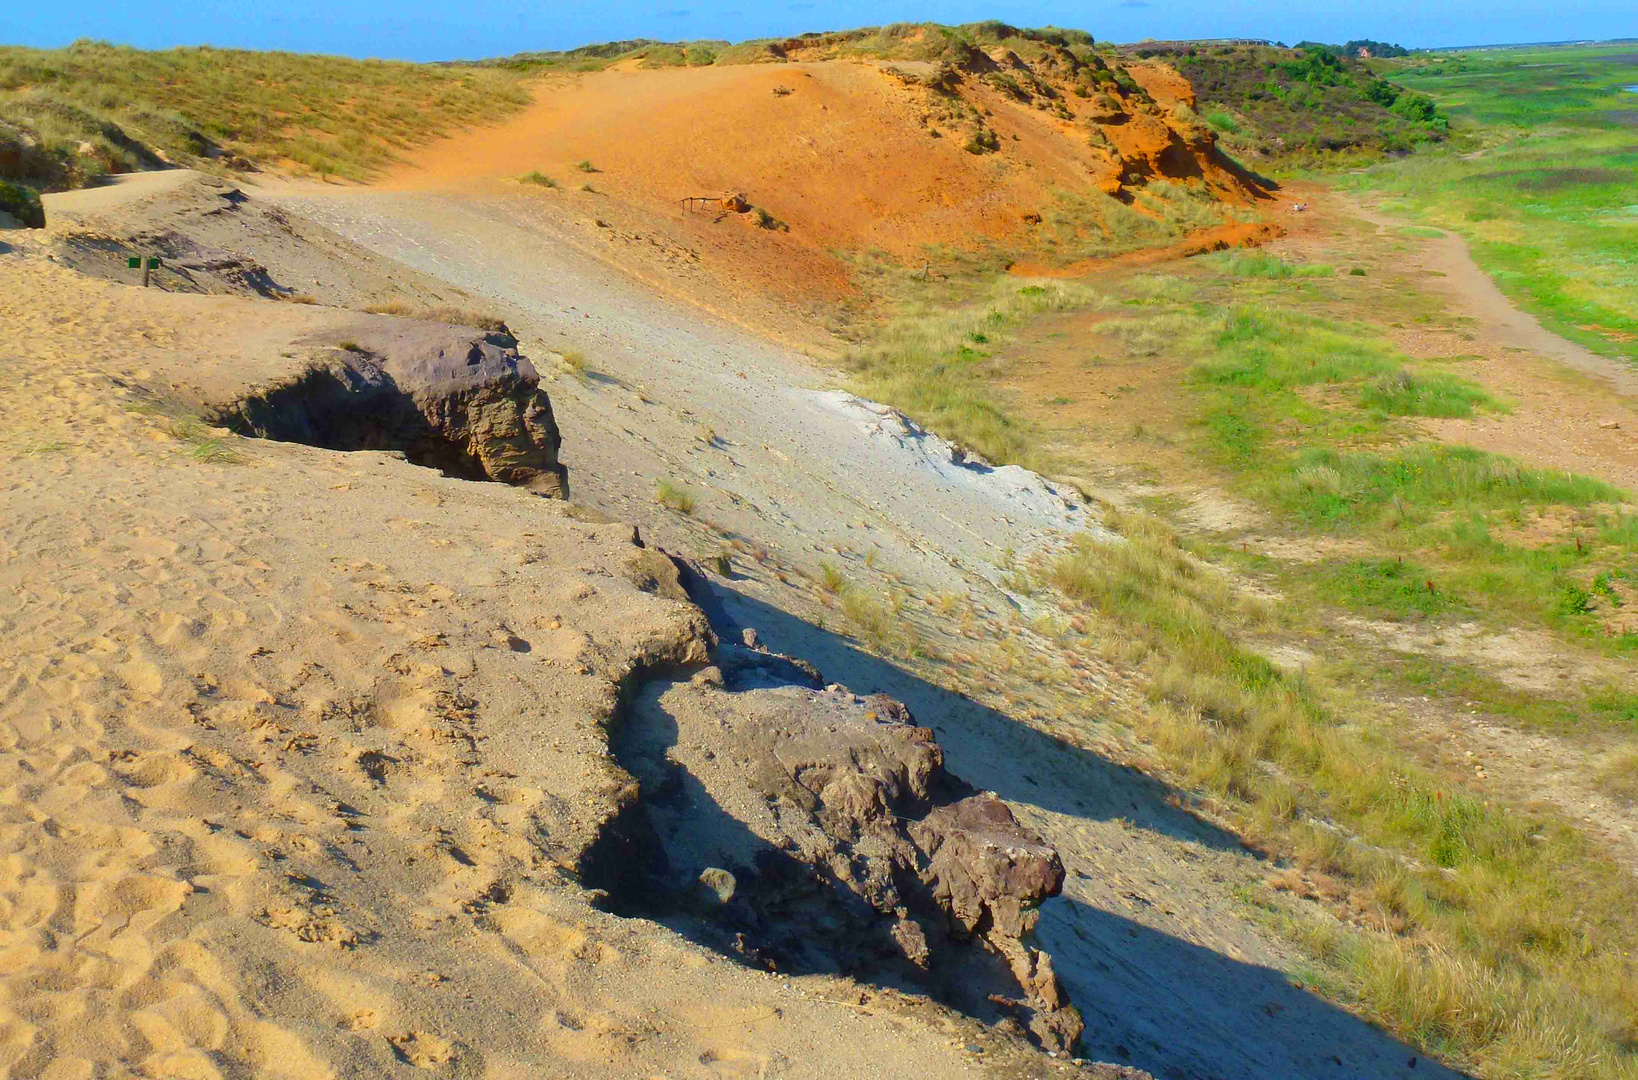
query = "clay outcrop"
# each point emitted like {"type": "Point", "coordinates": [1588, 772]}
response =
{"type": "Point", "coordinates": [453, 398]}
{"type": "Point", "coordinates": [813, 830]}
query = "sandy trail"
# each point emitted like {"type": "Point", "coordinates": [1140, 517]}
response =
{"type": "Point", "coordinates": [1575, 410]}
{"type": "Point", "coordinates": [1171, 975]}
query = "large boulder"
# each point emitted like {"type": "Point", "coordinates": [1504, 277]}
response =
{"type": "Point", "coordinates": [459, 399]}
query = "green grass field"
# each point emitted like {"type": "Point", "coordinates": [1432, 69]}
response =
{"type": "Point", "coordinates": [1543, 185]}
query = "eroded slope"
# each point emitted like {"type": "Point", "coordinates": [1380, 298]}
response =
{"type": "Point", "coordinates": [830, 163]}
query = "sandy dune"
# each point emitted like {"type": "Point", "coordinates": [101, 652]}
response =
{"type": "Point", "coordinates": [855, 160]}
{"type": "Point", "coordinates": [269, 806]}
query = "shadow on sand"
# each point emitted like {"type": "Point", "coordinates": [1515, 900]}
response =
{"type": "Point", "coordinates": [1055, 775]}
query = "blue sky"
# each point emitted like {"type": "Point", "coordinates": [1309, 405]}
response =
{"type": "Point", "coordinates": [451, 29]}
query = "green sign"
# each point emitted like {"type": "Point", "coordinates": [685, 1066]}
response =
{"type": "Point", "coordinates": [153, 263]}
{"type": "Point", "coordinates": [134, 262]}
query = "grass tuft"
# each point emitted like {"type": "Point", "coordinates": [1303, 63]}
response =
{"type": "Point", "coordinates": [674, 497]}
{"type": "Point", "coordinates": [1260, 264]}
{"type": "Point", "coordinates": [1405, 393]}
{"type": "Point", "coordinates": [454, 316]}
{"type": "Point", "coordinates": [831, 577]}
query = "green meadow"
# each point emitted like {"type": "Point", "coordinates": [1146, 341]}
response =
{"type": "Point", "coordinates": [1544, 186]}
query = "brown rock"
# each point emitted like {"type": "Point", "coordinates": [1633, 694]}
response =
{"type": "Point", "coordinates": [453, 398]}
{"type": "Point", "coordinates": [985, 868]}
{"type": "Point", "coordinates": [478, 395]}
{"type": "Point", "coordinates": [870, 842]}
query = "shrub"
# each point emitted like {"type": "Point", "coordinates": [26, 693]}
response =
{"type": "Point", "coordinates": [830, 577]}
{"type": "Point", "coordinates": [875, 621]}
{"type": "Point", "coordinates": [586, 166]}
{"type": "Point", "coordinates": [1417, 108]}
{"type": "Point", "coordinates": [984, 141]}
{"type": "Point", "coordinates": [22, 203]}
{"type": "Point", "coordinates": [1573, 600]}
{"type": "Point", "coordinates": [538, 178]}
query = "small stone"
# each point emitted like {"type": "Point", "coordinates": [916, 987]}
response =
{"type": "Point", "coordinates": [716, 886]}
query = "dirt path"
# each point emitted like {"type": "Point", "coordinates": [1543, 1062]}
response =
{"type": "Point", "coordinates": [786, 476]}
{"type": "Point", "coordinates": [1479, 297]}
{"type": "Point", "coordinates": [1574, 409]}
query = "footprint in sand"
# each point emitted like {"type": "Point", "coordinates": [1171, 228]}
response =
{"type": "Point", "coordinates": [423, 1050]}
{"type": "Point", "coordinates": [142, 676]}
{"type": "Point", "coordinates": [157, 770]}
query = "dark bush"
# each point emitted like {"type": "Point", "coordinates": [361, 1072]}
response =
{"type": "Point", "coordinates": [1417, 108]}
{"type": "Point", "coordinates": [1382, 92]}
{"type": "Point", "coordinates": [984, 141]}
{"type": "Point", "coordinates": [22, 203]}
